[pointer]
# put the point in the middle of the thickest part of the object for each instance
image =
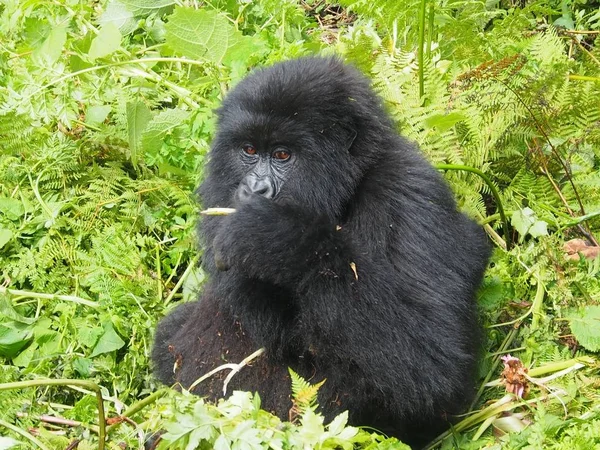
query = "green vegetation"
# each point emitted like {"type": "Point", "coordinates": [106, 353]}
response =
{"type": "Point", "coordinates": [106, 116]}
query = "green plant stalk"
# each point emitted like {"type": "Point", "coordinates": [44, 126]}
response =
{"type": "Point", "coordinates": [66, 298]}
{"type": "Point", "coordinates": [560, 365]}
{"type": "Point", "coordinates": [187, 272]}
{"type": "Point", "coordinates": [67, 382]}
{"type": "Point", "coordinates": [138, 406]}
{"type": "Point", "coordinates": [506, 403]}
{"type": "Point", "coordinates": [493, 190]}
{"type": "Point", "coordinates": [430, 28]}
{"type": "Point", "coordinates": [538, 301]}
{"type": "Point", "coordinates": [23, 433]}
{"type": "Point", "coordinates": [508, 340]}
{"type": "Point", "coordinates": [421, 48]}
{"type": "Point", "coordinates": [578, 220]}
{"type": "Point", "coordinates": [179, 90]}
{"type": "Point", "coordinates": [584, 78]}
{"type": "Point", "coordinates": [158, 273]}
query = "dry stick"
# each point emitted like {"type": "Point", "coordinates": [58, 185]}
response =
{"type": "Point", "coordinates": [235, 368]}
{"type": "Point", "coordinates": [59, 421]}
{"type": "Point", "coordinates": [67, 382]}
{"type": "Point", "coordinates": [239, 367]}
{"type": "Point", "coordinates": [217, 211]}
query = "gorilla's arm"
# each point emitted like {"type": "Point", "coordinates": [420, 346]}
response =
{"type": "Point", "coordinates": [353, 295]}
{"type": "Point", "coordinates": [280, 244]}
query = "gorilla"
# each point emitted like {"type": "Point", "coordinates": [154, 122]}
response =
{"type": "Point", "coordinates": [346, 259]}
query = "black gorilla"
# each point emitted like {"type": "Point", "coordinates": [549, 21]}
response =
{"type": "Point", "coordinates": [346, 259]}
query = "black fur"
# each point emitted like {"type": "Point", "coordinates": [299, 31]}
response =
{"type": "Point", "coordinates": [396, 340]}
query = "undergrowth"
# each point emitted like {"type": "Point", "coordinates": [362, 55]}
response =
{"type": "Point", "coordinates": [106, 116]}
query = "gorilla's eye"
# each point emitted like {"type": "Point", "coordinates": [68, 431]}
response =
{"type": "Point", "coordinates": [249, 149]}
{"type": "Point", "coordinates": [281, 155]}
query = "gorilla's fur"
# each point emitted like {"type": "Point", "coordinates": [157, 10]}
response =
{"type": "Point", "coordinates": [360, 271]}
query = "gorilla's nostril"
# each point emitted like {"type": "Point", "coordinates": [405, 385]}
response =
{"type": "Point", "coordinates": [264, 188]}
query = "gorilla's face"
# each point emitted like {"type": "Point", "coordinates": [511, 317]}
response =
{"type": "Point", "coordinates": [266, 171]}
{"type": "Point", "coordinates": [295, 135]}
{"type": "Point", "coordinates": [286, 159]}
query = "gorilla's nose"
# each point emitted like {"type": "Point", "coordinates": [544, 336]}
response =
{"type": "Point", "coordinates": [261, 186]}
{"type": "Point", "coordinates": [258, 186]}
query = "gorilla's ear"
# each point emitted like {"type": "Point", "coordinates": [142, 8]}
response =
{"type": "Point", "coordinates": [343, 134]}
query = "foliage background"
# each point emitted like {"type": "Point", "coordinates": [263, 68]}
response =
{"type": "Point", "coordinates": [106, 116]}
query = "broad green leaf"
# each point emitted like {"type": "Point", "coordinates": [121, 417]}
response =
{"type": "Point", "coordinates": [88, 336]}
{"type": "Point", "coordinates": [36, 31]}
{"type": "Point", "coordinates": [444, 122]}
{"type": "Point", "coordinates": [585, 325]}
{"type": "Point", "coordinates": [119, 15]}
{"type": "Point", "coordinates": [142, 8]}
{"type": "Point", "coordinates": [138, 116]}
{"type": "Point", "coordinates": [201, 34]}
{"type": "Point", "coordinates": [539, 228]}
{"type": "Point", "coordinates": [24, 358]}
{"type": "Point", "coordinates": [5, 236]}
{"type": "Point", "coordinates": [11, 208]}
{"type": "Point", "coordinates": [83, 366]}
{"type": "Point", "coordinates": [8, 311]}
{"type": "Point", "coordinates": [338, 424]}
{"type": "Point", "coordinates": [159, 126]}
{"type": "Point", "coordinates": [52, 47]}
{"type": "Point", "coordinates": [13, 337]}
{"type": "Point", "coordinates": [108, 342]}
{"type": "Point", "coordinates": [107, 41]}
{"type": "Point", "coordinates": [491, 293]}
{"type": "Point", "coordinates": [522, 220]}
{"type": "Point", "coordinates": [97, 114]}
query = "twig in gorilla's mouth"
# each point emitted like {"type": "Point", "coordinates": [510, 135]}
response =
{"type": "Point", "coordinates": [217, 211]}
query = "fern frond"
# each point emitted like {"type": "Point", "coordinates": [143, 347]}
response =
{"type": "Point", "coordinates": [304, 394]}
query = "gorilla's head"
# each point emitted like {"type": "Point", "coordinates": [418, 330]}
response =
{"type": "Point", "coordinates": [301, 131]}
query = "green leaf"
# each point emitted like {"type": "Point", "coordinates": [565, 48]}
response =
{"type": "Point", "coordinates": [107, 41]}
{"type": "Point", "coordinates": [138, 116]}
{"type": "Point", "coordinates": [13, 337]}
{"type": "Point", "coordinates": [585, 325]}
{"type": "Point", "coordinates": [88, 336]}
{"type": "Point", "coordinates": [522, 220]}
{"type": "Point", "coordinates": [5, 236]}
{"type": "Point", "coordinates": [201, 34]}
{"type": "Point", "coordinates": [159, 126]}
{"type": "Point", "coordinates": [491, 293]}
{"type": "Point", "coordinates": [120, 16]}
{"type": "Point", "coordinates": [539, 228]}
{"type": "Point", "coordinates": [97, 114]}
{"type": "Point", "coordinates": [11, 208]}
{"type": "Point", "coordinates": [444, 122]}
{"type": "Point", "coordinates": [143, 8]}
{"type": "Point", "coordinates": [338, 424]}
{"type": "Point", "coordinates": [108, 342]}
{"type": "Point", "coordinates": [52, 47]}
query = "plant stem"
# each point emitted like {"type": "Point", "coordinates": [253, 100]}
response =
{"type": "Point", "coordinates": [67, 382]}
{"type": "Point", "coordinates": [66, 298]}
{"type": "Point", "coordinates": [187, 272]}
{"type": "Point", "coordinates": [493, 190]}
{"type": "Point", "coordinates": [421, 48]}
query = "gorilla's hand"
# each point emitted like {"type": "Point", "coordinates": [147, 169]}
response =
{"type": "Point", "coordinates": [274, 242]}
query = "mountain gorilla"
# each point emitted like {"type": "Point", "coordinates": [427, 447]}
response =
{"type": "Point", "coordinates": [346, 258]}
